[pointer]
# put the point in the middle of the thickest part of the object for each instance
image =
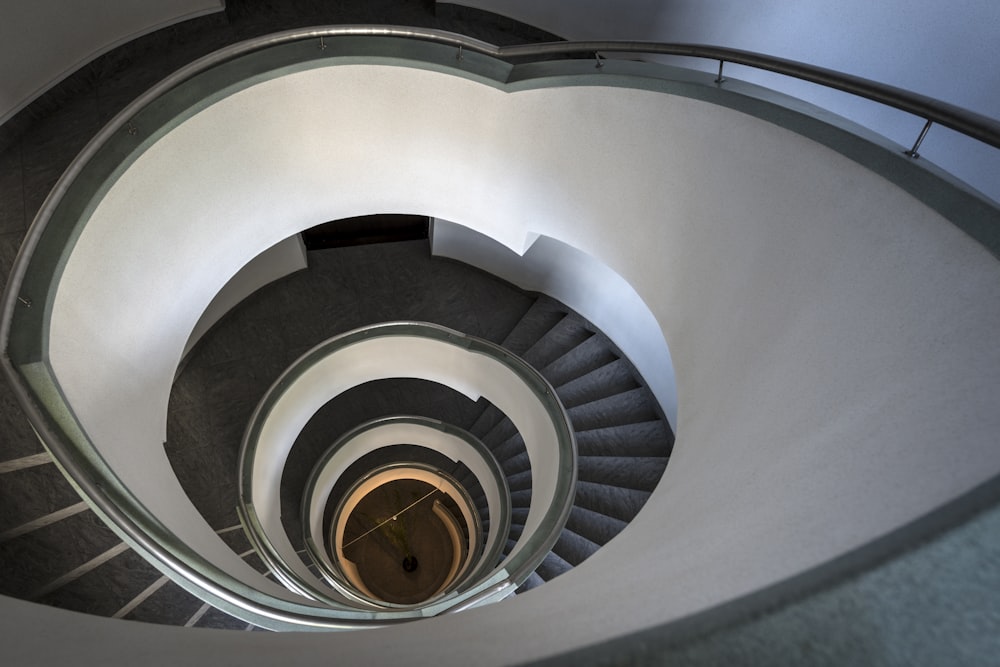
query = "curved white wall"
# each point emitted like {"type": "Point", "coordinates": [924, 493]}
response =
{"type": "Point", "coordinates": [380, 357]}
{"type": "Point", "coordinates": [947, 50]}
{"type": "Point", "coordinates": [833, 338]}
{"type": "Point", "coordinates": [43, 41]}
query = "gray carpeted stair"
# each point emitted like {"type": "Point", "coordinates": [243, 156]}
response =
{"type": "Point", "coordinates": [623, 441]}
{"type": "Point", "coordinates": [56, 551]}
{"type": "Point", "coordinates": [47, 535]}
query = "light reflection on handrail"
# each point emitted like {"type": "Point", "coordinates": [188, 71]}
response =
{"type": "Point", "coordinates": [55, 424]}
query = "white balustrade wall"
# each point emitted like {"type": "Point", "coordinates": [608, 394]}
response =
{"type": "Point", "coordinates": [833, 338]}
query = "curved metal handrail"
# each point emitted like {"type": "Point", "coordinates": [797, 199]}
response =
{"type": "Point", "coordinates": [516, 568]}
{"type": "Point", "coordinates": [974, 125]}
{"type": "Point", "coordinates": [500, 523]}
{"type": "Point", "coordinates": [90, 477]}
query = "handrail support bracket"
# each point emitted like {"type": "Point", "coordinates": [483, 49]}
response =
{"type": "Point", "coordinates": [920, 139]}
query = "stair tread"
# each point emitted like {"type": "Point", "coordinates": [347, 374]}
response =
{"type": "Point", "coordinates": [566, 334]}
{"type": "Point", "coordinates": [573, 547]}
{"type": "Point", "coordinates": [649, 438]}
{"type": "Point", "coordinates": [631, 472]}
{"type": "Point", "coordinates": [106, 589]}
{"type": "Point", "coordinates": [541, 316]}
{"type": "Point", "coordinates": [612, 378]}
{"type": "Point", "coordinates": [629, 407]}
{"type": "Point", "coordinates": [596, 527]}
{"type": "Point", "coordinates": [486, 420]}
{"type": "Point", "coordinates": [616, 502]}
{"type": "Point", "coordinates": [36, 559]}
{"type": "Point", "coordinates": [552, 566]}
{"type": "Point", "coordinates": [590, 354]}
{"type": "Point", "coordinates": [31, 493]}
{"type": "Point", "coordinates": [533, 581]}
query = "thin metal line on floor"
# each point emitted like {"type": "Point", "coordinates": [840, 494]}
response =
{"type": "Point", "coordinates": [140, 598]}
{"type": "Point", "coordinates": [42, 521]}
{"type": "Point", "coordinates": [78, 572]}
{"type": "Point", "coordinates": [25, 462]}
{"type": "Point", "coordinates": [197, 615]}
{"type": "Point", "coordinates": [227, 530]}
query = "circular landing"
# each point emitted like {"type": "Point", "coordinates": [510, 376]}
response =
{"type": "Point", "coordinates": [402, 550]}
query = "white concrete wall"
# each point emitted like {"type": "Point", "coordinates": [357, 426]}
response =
{"type": "Point", "coordinates": [833, 339]}
{"type": "Point", "coordinates": [585, 285]}
{"type": "Point", "coordinates": [282, 259]}
{"type": "Point", "coordinates": [947, 50]}
{"type": "Point", "coordinates": [44, 41]}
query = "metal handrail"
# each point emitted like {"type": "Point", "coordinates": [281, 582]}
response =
{"type": "Point", "coordinates": [105, 495]}
{"type": "Point", "coordinates": [977, 126]}
{"type": "Point", "coordinates": [969, 123]}
{"type": "Point", "coordinates": [515, 569]}
{"type": "Point", "coordinates": [500, 523]}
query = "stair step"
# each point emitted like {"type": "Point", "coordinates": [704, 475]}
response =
{"type": "Point", "coordinates": [28, 494]}
{"type": "Point", "coordinates": [651, 438]}
{"type": "Point", "coordinates": [552, 567]}
{"type": "Point", "coordinates": [520, 498]}
{"type": "Point", "coordinates": [574, 548]}
{"type": "Point", "coordinates": [627, 407]}
{"type": "Point", "coordinates": [105, 589]}
{"type": "Point", "coordinates": [589, 355]}
{"type": "Point", "coordinates": [519, 481]}
{"type": "Point", "coordinates": [608, 380]}
{"type": "Point", "coordinates": [516, 464]}
{"type": "Point", "coordinates": [34, 561]}
{"type": "Point", "coordinates": [630, 472]}
{"type": "Point", "coordinates": [596, 527]}
{"type": "Point", "coordinates": [511, 448]}
{"type": "Point", "coordinates": [19, 440]}
{"type": "Point", "coordinates": [533, 581]}
{"type": "Point", "coordinates": [169, 605]}
{"type": "Point", "coordinates": [543, 314]}
{"type": "Point", "coordinates": [616, 502]}
{"type": "Point", "coordinates": [487, 419]}
{"type": "Point", "coordinates": [220, 620]}
{"type": "Point", "coordinates": [568, 333]}
{"type": "Point", "coordinates": [502, 431]}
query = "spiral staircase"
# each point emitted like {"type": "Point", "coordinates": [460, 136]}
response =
{"type": "Point", "coordinates": [61, 554]}
{"type": "Point", "coordinates": [56, 551]}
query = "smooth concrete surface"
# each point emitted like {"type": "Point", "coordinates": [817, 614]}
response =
{"type": "Point", "coordinates": [393, 433]}
{"type": "Point", "coordinates": [43, 41]}
{"type": "Point", "coordinates": [939, 49]}
{"type": "Point", "coordinates": [282, 259]}
{"type": "Point", "coordinates": [585, 285]}
{"type": "Point", "coordinates": [829, 332]}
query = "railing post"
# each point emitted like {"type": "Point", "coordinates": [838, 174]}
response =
{"type": "Point", "coordinates": [920, 139]}
{"type": "Point", "coordinates": [720, 79]}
